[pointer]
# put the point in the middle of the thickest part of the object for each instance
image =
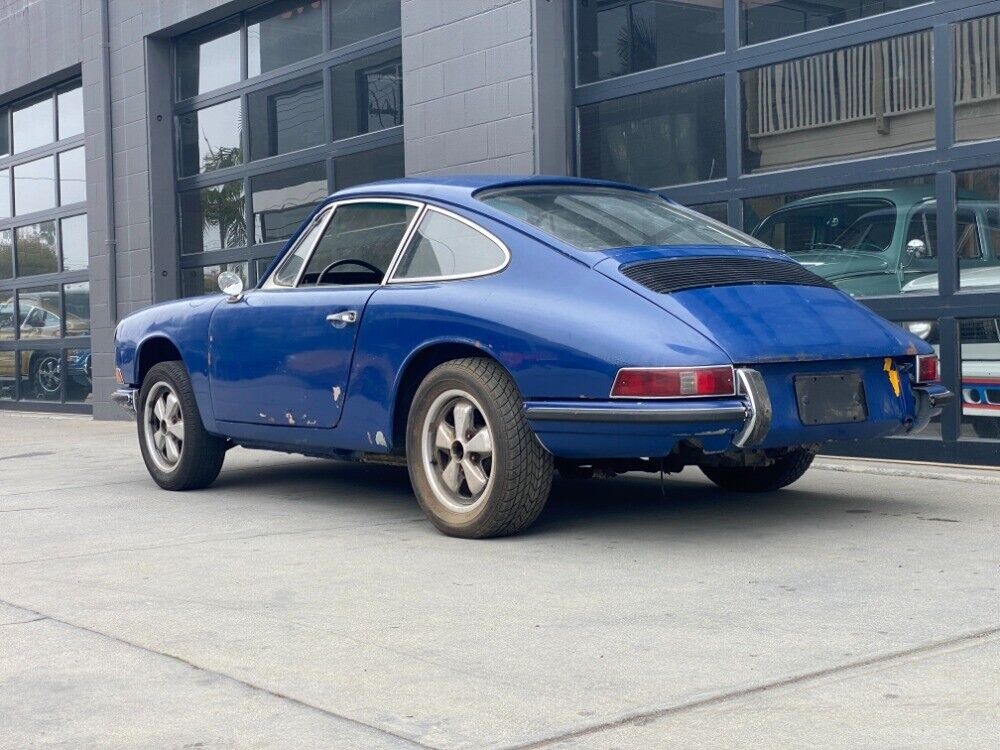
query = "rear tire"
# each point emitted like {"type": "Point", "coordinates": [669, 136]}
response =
{"type": "Point", "coordinates": [178, 452]}
{"type": "Point", "coordinates": [986, 427]}
{"type": "Point", "coordinates": [476, 467]}
{"type": "Point", "coordinates": [785, 470]}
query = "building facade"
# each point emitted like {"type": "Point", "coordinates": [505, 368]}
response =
{"type": "Point", "coordinates": [147, 145]}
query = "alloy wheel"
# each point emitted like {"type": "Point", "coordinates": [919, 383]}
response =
{"type": "Point", "coordinates": [163, 422]}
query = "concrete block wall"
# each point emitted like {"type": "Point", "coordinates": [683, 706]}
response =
{"type": "Point", "coordinates": [468, 86]}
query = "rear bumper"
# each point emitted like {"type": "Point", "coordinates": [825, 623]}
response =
{"type": "Point", "coordinates": [125, 398]}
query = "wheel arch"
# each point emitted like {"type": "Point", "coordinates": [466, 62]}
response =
{"type": "Point", "coordinates": [152, 351]}
{"type": "Point", "coordinates": [416, 367]}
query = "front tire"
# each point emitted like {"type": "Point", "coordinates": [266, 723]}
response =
{"type": "Point", "coordinates": [785, 470]}
{"type": "Point", "coordinates": [177, 451]}
{"type": "Point", "coordinates": [476, 467]}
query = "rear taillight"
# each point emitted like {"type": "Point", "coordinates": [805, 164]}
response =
{"type": "Point", "coordinates": [674, 382]}
{"type": "Point", "coordinates": [927, 368]}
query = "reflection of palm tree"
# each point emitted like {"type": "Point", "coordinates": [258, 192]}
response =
{"type": "Point", "coordinates": [637, 45]}
{"type": "Point", "coordinates": [222, 205]}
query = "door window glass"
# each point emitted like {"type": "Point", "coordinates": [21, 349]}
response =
{"type": "Point", "coordinates": [359, 243]}
{"type": "Point", "coordinates": [289, 271]}
{"type": "Point", "coordinates": [443, 246]}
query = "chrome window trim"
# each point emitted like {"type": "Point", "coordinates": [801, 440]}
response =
{"type": "Point", "coordinates": [334, 205]}
{"type": "Point", "coordinates": [451, 277]}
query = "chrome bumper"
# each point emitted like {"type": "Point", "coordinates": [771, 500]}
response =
{"type": "Point", "coordinates": [125, 398]}
{"type": "Point", "coordinates": [930, 400]}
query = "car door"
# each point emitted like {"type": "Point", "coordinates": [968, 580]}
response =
{"type": "Point", "coordinates": [282, 354]}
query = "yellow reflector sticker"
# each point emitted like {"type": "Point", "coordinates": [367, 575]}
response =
{"type": "Point", "coordinates": [890, 370]}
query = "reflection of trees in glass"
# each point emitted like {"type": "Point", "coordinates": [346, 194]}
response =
{"type": "Point", "coordinates": [222, 209]}
{"type": "Point", "coordinates": [636, 45]}
{"type": "Point", "coordinates": [36, 249]}
{"type": "Point", "coordinates": [385, 96]}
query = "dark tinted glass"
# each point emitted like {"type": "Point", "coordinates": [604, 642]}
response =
{"type": "Point", "coordinates": [717, 211]}
{"type": "Point", "coordinates": [368, 166]}
{"type": "Point", "coordinates": [35, 246]}
{"type": "Point", "coordinates": [761, 20]}
{"type": "Point", "coordinates": [208, 59]}
{"type": "Point", "coordinates": [213, 218]}
{"type": "Point", "coordinates": [282, 200]}
{"type": "Point", "coordinates": [210, 138]}
{"type": "Point", "coordinates": [79, 375]}
{"type": "Point", "coordinates": [72, 176]}
{"type": "Point", "coordinates": [70, 111]}
{"type": "Point", "coordinates": [6, 254]}
{"type": "Point", "coordinates": [663, 137]}
{"type": "Point", "coordinates": [34, 186]}
{"type": "Point", "coordinates": [282, 33]}
{"type": "Point", "coordinates": [5, 208]}
{"type": "Point", "coordinates": [977, 79]}
{"type": "Point", "coordinates": [352, 21]}
{"type": "Point", "coordinates": [4, 131]}
{"type": "Point", "coordinates": [615, 38]}
{"type": "Point", "coordinates": [74, 243]}
{"type": "Point", "coordinates": [855, 102]}
{"type": "Point", "coordinates": [287, 117]}
{"type": "Point", "coordinates": [33, 124]}
{"type": "Point", "coordinates": [368, 94]}
{"type": "Point", "coordinates": [76, 307]}
{"type": "Point", "coordinates": [203, 280]}
{"type": "Point", "coordinates": [600, 218]}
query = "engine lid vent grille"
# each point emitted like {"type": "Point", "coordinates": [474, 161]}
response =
{"type": "Point", "coordinates": [674, 275]}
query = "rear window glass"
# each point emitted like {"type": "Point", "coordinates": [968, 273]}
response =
{"type": "Point", "coordinates": [592, 218]}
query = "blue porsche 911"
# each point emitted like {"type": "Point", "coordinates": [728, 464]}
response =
{"type": "Point", "coordinates": [487, 331]}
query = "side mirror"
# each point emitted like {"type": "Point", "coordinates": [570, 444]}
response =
{"type": "Point", "coordinates": [917, 249]}
{"type": "Point", "coordinates": [231, 285]}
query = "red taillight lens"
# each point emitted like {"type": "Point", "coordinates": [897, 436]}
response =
{"type": "Point", "coordinates": [927, 368]}
{"type": "Point", "coordinates": [674, 382]}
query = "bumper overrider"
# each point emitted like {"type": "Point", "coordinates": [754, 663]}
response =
{"type": "Point", "coordinates": [747, 416]}
{"type": "Point", "coordinates": [126, 398]}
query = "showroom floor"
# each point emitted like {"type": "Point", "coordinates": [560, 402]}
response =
{"type": "Point", "coordinates": [305, 603]}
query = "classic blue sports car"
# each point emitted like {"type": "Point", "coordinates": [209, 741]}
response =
{"type": "Point", "coordinates": [487, 330]}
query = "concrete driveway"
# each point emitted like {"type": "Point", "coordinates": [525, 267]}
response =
{"type": "Point", "coordinates": [305, 603]}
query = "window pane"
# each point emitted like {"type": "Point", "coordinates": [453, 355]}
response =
{"type": "Point", "coordinates": [980, 339]}
{"type": "Point", "coordinates": [41, 375]}
{"type": "Point", "coordinates": [213, 218]}
{"type": "Point", "coordinates": [39, 313]}
{"type": "Point", "coordinates": [856, 237]}
{"type": "Point", "coordinates": [977, 78]}
{"type": "Point", "coordinates": [35, 246]}
{"type": "Point", "coordinates": [368, 166]}
{"type": "Point", "coordinates": [75, 255]}
{"type": "Point", "coordinates": [718, 211]}
{"type": "Point", "coordinates": [283, 33]}
{"type": "Point", "coordinates": [6, 254]}
{"type": "Point", "coordinates": [5, 194]}
{"type": "Point", "coordinates": [855, 102]}
{"type": "Point", "coordinates": [34, 186]}
{"type": "Point", "coordinates": [369, 232]}
{"type": "Point", "coordinates": [663, 137]}
{"type": "Point", "coordinates": [289, 271]}
{"type": "Point", "coordinates": [770, 19]}
{"type": "Point", "coordinates": [33, 124]}
{"type": "Point", "coordinates": [368, 94]}
{"type": "Point", "coordinates": [7, 365]}
{"type": "Point", "coordinates": [352, 21]}
{"type": "Point", "coordinates": [210, 138]}
{"type": "Point", "coordinates": [204, 280]}
{"type": "Point", "coordinates": [79, 375]}
{"type": "Point", "coordinates": [8, 314]}
{"type": "Point", "coordinates": [261, 265]}
{"type": "Point", "coordinates": [72, 177]}
{"type": "Point", "coordinates": [282, 200]}
{"type": "Point", "coordinates": [70, 111]}
{"type": "Point", "coordinates": [443, 246]}
{"type": "Point", "coordinates": [287, 117]}
{"type": "Point", "coordinates": [4, 132]}
{"type": "Point", "coordinates": [977, 230]}
{"type": "Point", "coordinates": [76, 301]}
{"type": "Point", "coordinates": [618, 38]}
{"type": "Point", "coordinates": [592, 218]}
{"type": "Point", "coordinates": [208, 59]}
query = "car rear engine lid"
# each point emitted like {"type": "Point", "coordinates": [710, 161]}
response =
{"type": "Point", "coordinates": [668, 275]}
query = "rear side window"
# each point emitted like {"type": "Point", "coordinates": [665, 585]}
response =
{"type": "Point", "coordinates": [595, 218]}
{"type": "Point", "coordinates": [446, 247]}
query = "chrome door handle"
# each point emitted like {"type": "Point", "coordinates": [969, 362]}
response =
{"type": "Point", "coordinates": [341, 319]}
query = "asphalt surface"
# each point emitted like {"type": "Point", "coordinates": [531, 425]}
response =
{"type": "Point", "coordinates": [305, 603]}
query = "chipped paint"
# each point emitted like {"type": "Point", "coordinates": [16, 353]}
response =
{"type": "Point", "coordinates": [262, 415]}
{"type": "Point", "coordinates": [372, 442]}
{"type": "Point", "coordinates": [289, 418]}
{"type": "Point", "coordinates": [380, 439]}
{"type": "Point", "coordinates": [336, 393]}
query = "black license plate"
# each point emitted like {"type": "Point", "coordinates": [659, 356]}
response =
{"type": "Point", "coordinates": [831, 399]}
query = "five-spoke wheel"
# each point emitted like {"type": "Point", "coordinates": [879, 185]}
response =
{"type": "Point", "coordinates": [163, 421]}
{"type": "Point", "coordinates": [458, 450]}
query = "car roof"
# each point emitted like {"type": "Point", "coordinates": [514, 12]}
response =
{"type": "Point", "coordinates": [461, 189]}
{"type": "Point", "coordinates": [904, 197]}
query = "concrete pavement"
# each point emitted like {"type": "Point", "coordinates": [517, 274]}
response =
{"type": "Point", "coordinates": [306, 603]}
